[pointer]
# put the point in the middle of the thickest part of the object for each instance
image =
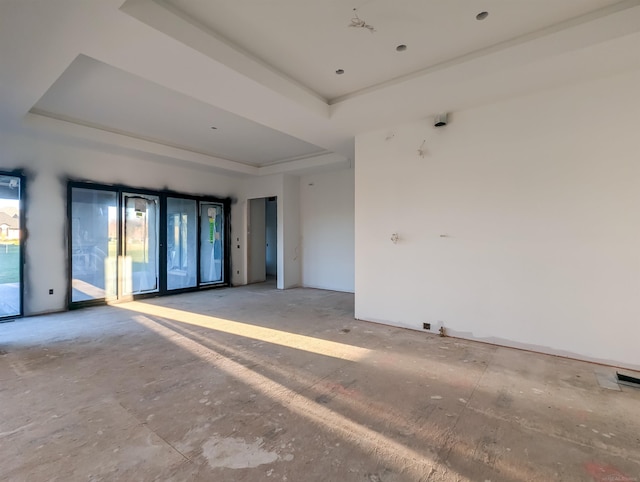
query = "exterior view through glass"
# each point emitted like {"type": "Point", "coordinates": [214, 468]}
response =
{"type": "Point", "coordinates": [10, 246]}
{"type": "Point", "coordinates": [124, 243]}
{"type": "Point", "coordinates": [182, 243]}
{"type": "Point", "coordinates": [94, 238]}
{"type": "Point", "coordinates": [211, 245]}
{"type": "Point", "coordinates": [140, 260]}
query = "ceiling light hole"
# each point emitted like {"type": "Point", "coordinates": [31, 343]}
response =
{"type": "Point", "coordinates": [401, 48]}
{"type": "Point", "coordinates": [340, 71]}
{"type": "Point", "coordinates": [482, 15]}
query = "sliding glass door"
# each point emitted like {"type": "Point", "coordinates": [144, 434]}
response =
{"type": "Point", "coordinates": [141, 244]}
{"type": "Point", "coordinates": [10, 246]}
{"type": "Point", "coordinates": [125, 243]}
{"type": "Point", "coordinates": [182, 243]}
{"type": "Point", "coordinates": [211, 243]}
{"type": "Point", "coordinates": [94, 237]}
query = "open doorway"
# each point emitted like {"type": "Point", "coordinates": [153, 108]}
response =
{"type": "Point", "coordinates": [271, 235]}
{"type": "Point", "coordinates": [262, 236]}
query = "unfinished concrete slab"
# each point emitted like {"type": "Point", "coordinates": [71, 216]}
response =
{"type": "Point", "coordinates": [252, 383]}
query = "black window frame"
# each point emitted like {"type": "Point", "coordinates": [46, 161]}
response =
{"type": "Point", "coordinates": [119, 189]}
{"type": "Point", "coordinates": [22, 200]}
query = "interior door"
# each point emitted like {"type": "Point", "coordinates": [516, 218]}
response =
{"type": "Point", "coordinates": [11, 245]}
{"type": "Point", "coordinates": [140, 244]}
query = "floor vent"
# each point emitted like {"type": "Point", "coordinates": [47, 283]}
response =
{"type": "Point", "coordinates": [628, 380]}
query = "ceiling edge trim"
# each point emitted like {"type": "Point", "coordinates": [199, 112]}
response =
{"type": "Point", "coordinates": [69, 128]}
{"type": "Point", "coordinates": [294, 158]}
{"type": "Point", "coordinates": [323, 161]}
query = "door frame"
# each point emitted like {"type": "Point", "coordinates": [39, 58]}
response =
{"type": "Point", "coordinates": [123, 241]}
{"type": "Point", "coordinates": [22, 196]}
{"type": "Point", "coordinates": [226, 269]}
{"type": "Point", "coordinates": [250, 239]}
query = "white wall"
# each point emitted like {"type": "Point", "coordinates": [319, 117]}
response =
{"type": "Point", "coordinates": [520, 226]}
{"type": "Point", "coordinates": [254, 188]}
{"type": "Point", "coordinates": [257, 239]}
{"type": "Point", "coordinates": [286, 189]}
{"type": "Point", "coordinates": [327, 224]}
{"type": "Point", "coordinates": [48, 165]}
{"type": "Point", "coordinates": [291, 241]}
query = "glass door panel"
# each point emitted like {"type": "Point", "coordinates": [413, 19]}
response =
{"type": "Point", "coordinates": [94, 238]}
{"type": "Point", "coordinates": [123, 244]}
{"type": "Point", "coordinates": [10, 247]}
{"type": "Point", "coordinates": [211, 243]}
{"type": "Point", "coordinates": [140, 245]}
{"type": "Point", "coordinates": [182, 243]}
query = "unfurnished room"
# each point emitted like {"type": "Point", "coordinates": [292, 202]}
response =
{"type": "Point", "coordinates": [302, 240]}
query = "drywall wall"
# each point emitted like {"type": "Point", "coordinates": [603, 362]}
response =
{"type": "Point", "coordinates": [258, 188]}
{"type": "Point", "coordinates": [48, 164]}
{"type": "Point", "coordinates": [292, 243]}
{"type": "Point", "coordinates": [257, 239]}
{"type": "Point", "coordinates": [519, 226]}
{"type": "Point", "coordinates": [327, 225]}
{"type": "Point", "coordinates": [286, 189]}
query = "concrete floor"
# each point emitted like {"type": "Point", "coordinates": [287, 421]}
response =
{"type": "Point", "coordinates": [255, 384]}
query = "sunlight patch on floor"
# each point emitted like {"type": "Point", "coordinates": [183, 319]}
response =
{"type": "Point", "coordinates": [255, 332]}
{"type": "Point", "coordinates": [403, 459]}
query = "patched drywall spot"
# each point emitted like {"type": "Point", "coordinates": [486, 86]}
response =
{"type": "Point", "coordinates": [235, 453]}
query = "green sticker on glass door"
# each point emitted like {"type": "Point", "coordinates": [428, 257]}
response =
{"type": "Point", "coordinates": [212, 224]}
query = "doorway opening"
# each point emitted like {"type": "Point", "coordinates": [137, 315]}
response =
{"type": "Point", "coordinates": [262, 236]}
{"type": "Point", "coordinates": [11, 246]}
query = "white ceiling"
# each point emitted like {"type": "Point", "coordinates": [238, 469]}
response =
{"type": "Point", "coordinates": [98, 95]}
{"type": "Point", "coordinates": [308, 40]}
{"type": "Point", "coordinates": [153, 76]}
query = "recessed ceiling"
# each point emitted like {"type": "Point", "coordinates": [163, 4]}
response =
{"type": "Point", "coordinates": [264, 71]}
{"type": "Point", "coordinates": [308, 40]}
{"type": "Point", "coordinates": [95, 94]}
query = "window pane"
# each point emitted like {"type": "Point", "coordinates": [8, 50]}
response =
{"type": "Point", "coordinates": [211, 243]}
{"type": "Point", "coordinates": [10, 246]}
{"type": "Point", "coordinates": [93, 244]}
{"type": "Point", "coordinates": [140, 244]}
{"type": "Point", "coordinates": [182, 243]}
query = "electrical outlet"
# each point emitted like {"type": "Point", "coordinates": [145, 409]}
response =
{"type": "Point", "coordinates": [51, 291]}
{"type": "Point", "coordinates": [426, 326]}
